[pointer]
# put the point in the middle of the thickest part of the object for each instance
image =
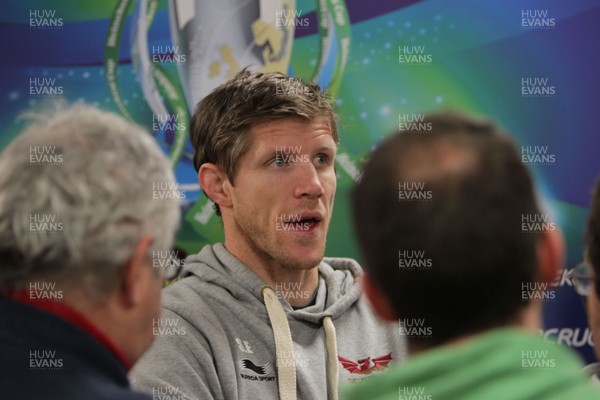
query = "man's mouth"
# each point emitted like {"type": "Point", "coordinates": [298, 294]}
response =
{"type": "Point", "coordinates": [306, 222]}
{"type": "Point", "coordinates": [311, 221]}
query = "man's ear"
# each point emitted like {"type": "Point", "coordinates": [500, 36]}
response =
{"type": "Point", "coordinates": [378, 299]}
{"type": "Point", "coordinates": [133, 282]}
{"type": "Point", "coordinates": [550, 254]}
{"type": "Point", "coordinates": [215, 183]}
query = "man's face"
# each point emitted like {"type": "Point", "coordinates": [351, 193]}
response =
{"type": "Point", "coordinates": [284, 189]}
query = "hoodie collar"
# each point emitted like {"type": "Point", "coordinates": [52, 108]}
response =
{"type": "Point", "coordinates": [338, 287]}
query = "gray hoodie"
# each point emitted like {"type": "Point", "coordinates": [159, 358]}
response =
{"type": "Point", "coordinates": [224, 334]}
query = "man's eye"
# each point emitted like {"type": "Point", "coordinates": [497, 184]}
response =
{"type": "Point", "coordinates": [279, 160]}
{"type": "Point", "coordinates": [322, 158]}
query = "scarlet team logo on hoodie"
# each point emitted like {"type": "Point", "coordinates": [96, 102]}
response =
{"type": "Point", "coordinates": [367, 365]}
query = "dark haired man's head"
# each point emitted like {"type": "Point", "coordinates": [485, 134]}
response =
{"type": "Point", "coordinates": [439, 216]}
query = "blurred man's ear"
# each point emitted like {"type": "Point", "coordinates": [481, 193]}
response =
{"type": "Point", "coordinates": [550, 254]}
{"type": "Point", "coordinates": [378, 299]}
{"type": "Point", "coordinates": [133, 285]}
{"type": "Point", "coordinates": [214, 182]}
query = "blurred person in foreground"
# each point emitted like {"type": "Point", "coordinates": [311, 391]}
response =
{"type": "Point", "coordinates": [264, 315]}
{"type": "Point", "coordinates": [586, 281]}
{"type": "Point", "coordinates": [450, 229]}
{"type": "Point", "coordinates": [78, 225]}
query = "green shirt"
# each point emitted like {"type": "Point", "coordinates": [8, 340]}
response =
{"type": "Point", "coordinates": [505, 363]}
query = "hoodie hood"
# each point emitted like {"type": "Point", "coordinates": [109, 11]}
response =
{"type": "Point", "coordinates": [338, 287]}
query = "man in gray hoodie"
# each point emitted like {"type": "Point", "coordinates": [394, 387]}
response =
{"type": "Point", "coordinates": [264, 315]}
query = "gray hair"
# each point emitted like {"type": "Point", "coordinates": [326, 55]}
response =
{"type": "Point", "coordinates": [77, 192]}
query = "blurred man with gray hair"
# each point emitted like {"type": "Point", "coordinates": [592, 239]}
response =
{"type": "Point", "coordinates": [79, 226]}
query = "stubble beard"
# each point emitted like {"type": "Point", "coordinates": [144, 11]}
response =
{"type": "Point", "coordinates": [265, 246]}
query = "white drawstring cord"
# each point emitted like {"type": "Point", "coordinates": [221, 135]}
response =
{"type": "Point", "coordinates": [332, 361]}
{"type": "Point", "coordinates": [284, 348]}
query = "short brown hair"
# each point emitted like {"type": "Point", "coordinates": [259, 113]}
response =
{"type": "Point", "coordinates": [222, 119]}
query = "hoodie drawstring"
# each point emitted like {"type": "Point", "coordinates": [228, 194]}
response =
{"type": "Point", "coordinates": [332, 359]}
{"type": "Point", "coordinates": [284, 349]}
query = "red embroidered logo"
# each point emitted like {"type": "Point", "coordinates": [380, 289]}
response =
{"type": "Point", "coordinates": [366, 365]}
